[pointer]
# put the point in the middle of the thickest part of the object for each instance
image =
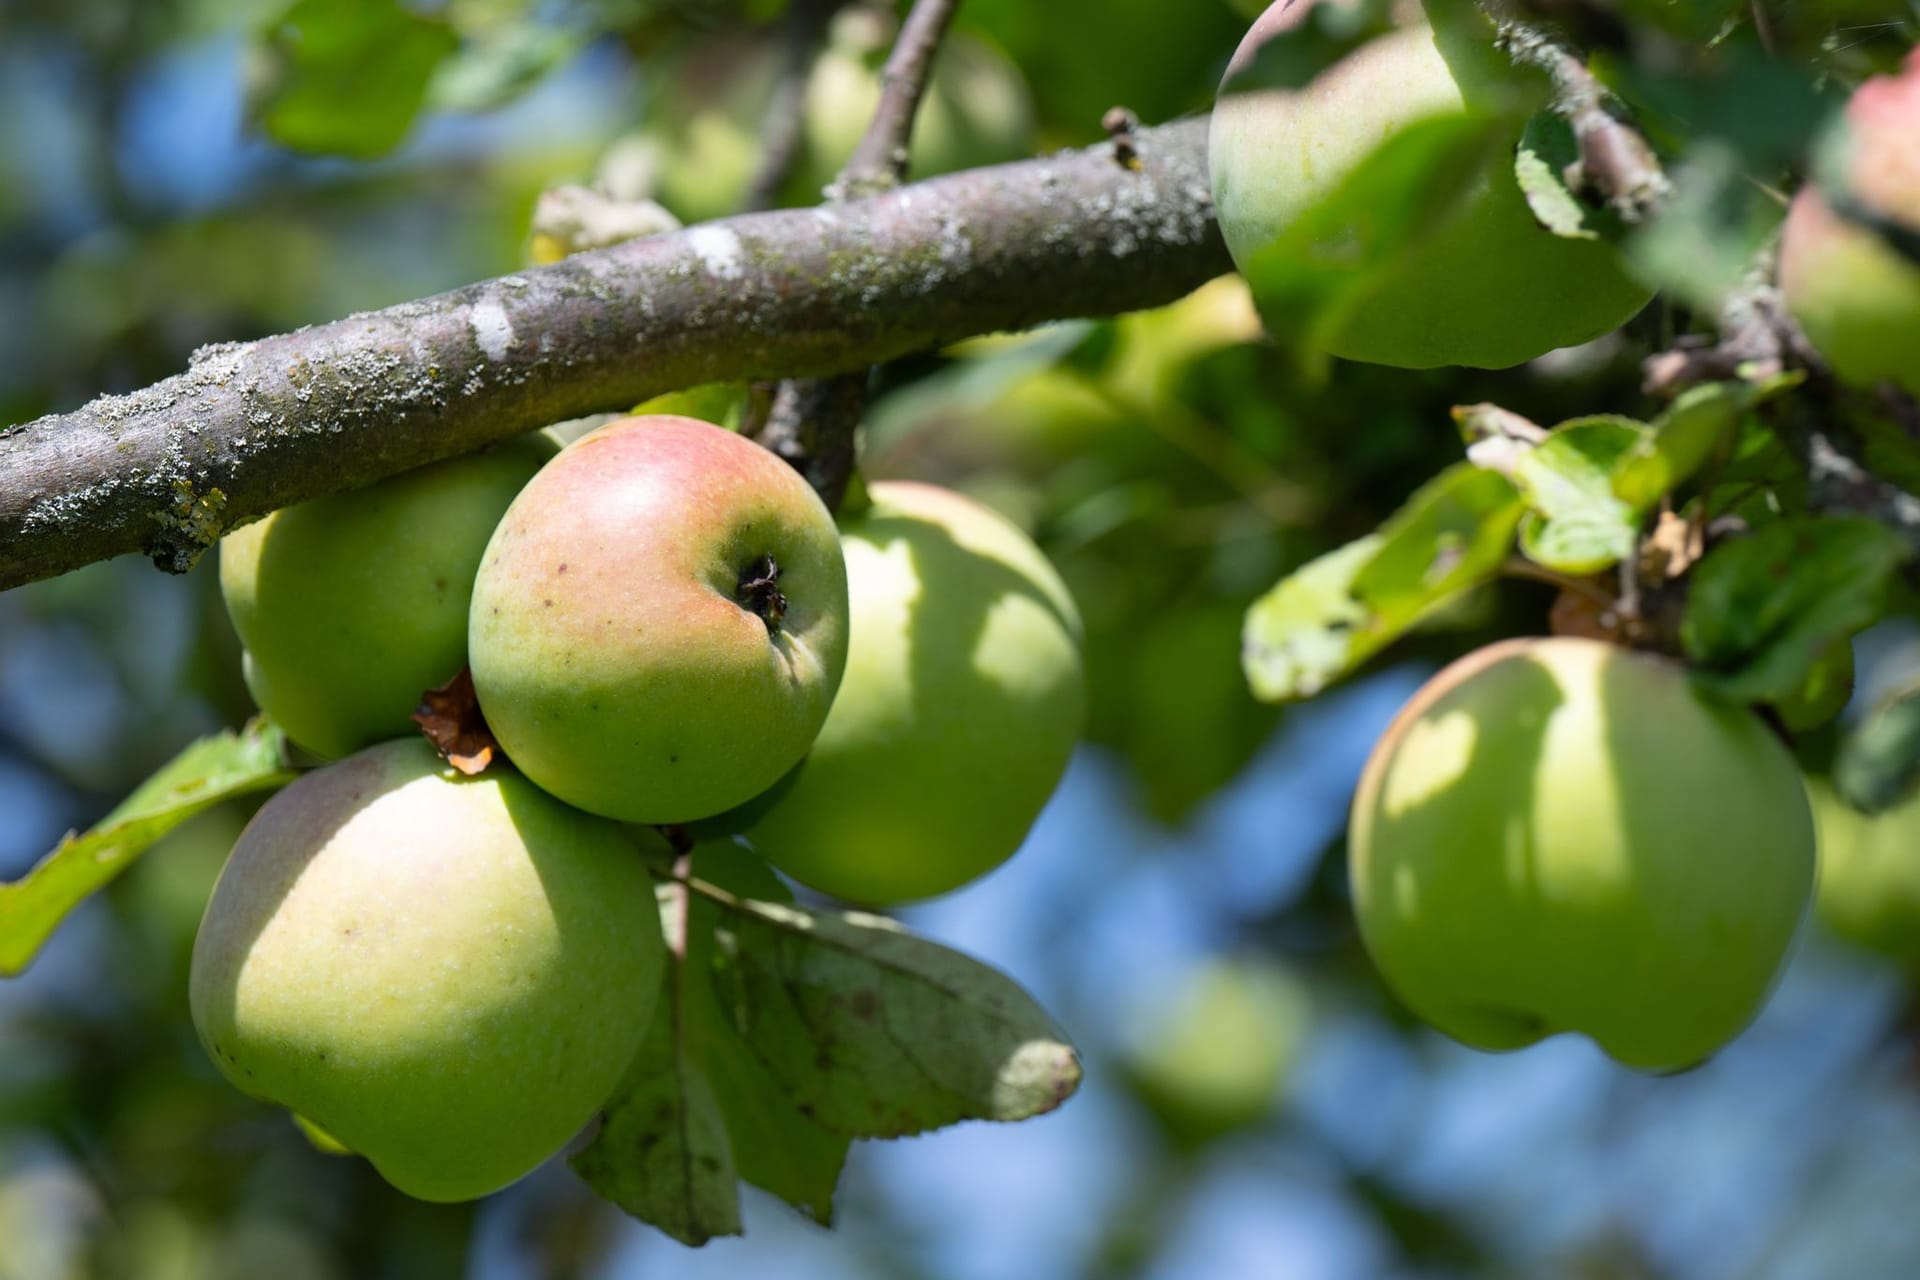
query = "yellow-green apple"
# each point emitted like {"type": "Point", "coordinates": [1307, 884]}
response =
{"type": "Point", "coordinates": [447, 975]}
{"type": "Point", "coordinates": [350, 606]}
{"type": "Point", "coordinates": [1559, 835]}
{"type": "Point", "coordinates": [1212, 1060]}
{"type": "Point", "coordinates": [1488, 286]}
{"type": "Point", "coordinates": [1855, 293]}
{"type": "Point", "coordinates": [1869, 889]}
{"type": "Point", "coordinates": [705, 115]}
{"type": "Point", "coordinates": [962, 701]}
{"type": "Point", "coordinates": [660, 621]}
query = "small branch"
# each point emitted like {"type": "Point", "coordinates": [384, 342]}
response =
{"type": "Point", "coordinates": [1586, 588]}
{"type": "Point", "coordinates": [812, 423]}
{"type": "Point", "coordinates": [1616, 163]}
{"type": "Point", "coordinates": [250, 427]}
{"type": "Point", "coordinates": [1758, 337]}
{"type": "Point", "coordinates": [879, 162]}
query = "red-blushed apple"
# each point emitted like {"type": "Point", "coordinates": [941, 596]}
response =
{"type": "Point", "coordinates": [350, 606]}
{"type": "Point", "coordinates": [1855, 293]}
{"type": "Point", "coordinates": [962, 702]}
{"type": "Point", "coordinates": [1489, 286]}
{"type": "Point", "coordinates": [660, 621]}
{"type": "Point", "coordinates": [1559, 835]}
{"type": "Point", "coordinates": [447, 975]}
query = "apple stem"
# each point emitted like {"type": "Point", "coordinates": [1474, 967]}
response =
{"type": "Point", "coordinates": [759, 592]}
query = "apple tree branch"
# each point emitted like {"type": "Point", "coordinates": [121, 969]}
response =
{"type": "Point", "coordinates": [251, 427]}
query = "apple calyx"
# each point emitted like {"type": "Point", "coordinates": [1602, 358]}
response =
{"type": "Point", "coordinates": [759, 592]}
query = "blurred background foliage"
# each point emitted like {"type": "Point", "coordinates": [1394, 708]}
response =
{"type": "Point", "coordinates": [178, 172]}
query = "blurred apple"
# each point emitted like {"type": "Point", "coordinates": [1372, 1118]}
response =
{"type": "Point", "coordinates": [1869, 889]}
{"type": "Point", "coordinates": [1853, 289]}
{"type": "Point", "coordinates": [1212, 1057]}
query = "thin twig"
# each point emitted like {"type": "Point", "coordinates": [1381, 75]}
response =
{"type": "Point", "coordinates": [812, 422]}
{"type": "Point", "coordinates": [879, 162]}
{"type": "Point", "coordinates": [1518, 567]}
{"type": "Point", "coordinates": [1616, 162]}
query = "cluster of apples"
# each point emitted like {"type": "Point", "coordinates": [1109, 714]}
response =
{"type": "Point", "coordinates": [1558, 834]}
{"type": "Point", "coordinates": [449, 974]}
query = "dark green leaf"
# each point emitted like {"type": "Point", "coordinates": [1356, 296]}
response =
{"type": "Point", "coordinates": [345, 77]}
{"type": "Point", "coordinates": [211, 770]}
{"type": "Point", "coordinates": [1763, 608]}
{"type": "Point", "coordinates": [1878, 764]}
{"type": "Point", "coordinates": [877, 1033]}
{"type": "Point", "coordinates": [1324, 620]}
{"type": "Point", "coordinates": [698, 1110]}
{"type": "Point", "coordinates": [662, 1152]}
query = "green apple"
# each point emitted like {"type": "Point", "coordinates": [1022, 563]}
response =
{"type": "Point", "coordinates": [350, 606]}
{"type": "Point", "coordinates": [1212, 1060]}
{"type": "Point", "coordinates": [660, 621]}
{"type": "Point", "coordinates": [1856, 294]}
{"type": "Point", "coordinates": [1869, 888]}
{"type": "Point", "coordinates": [704, 118]}
{"type": "Point", "coordinates": [962, 702]}
{"type": "Point", "coordinates": [1559, 835]}
{"type": "Point", "coordinates": [1489, 287]}
{"type": "Point", "coordinates": [447, 975]}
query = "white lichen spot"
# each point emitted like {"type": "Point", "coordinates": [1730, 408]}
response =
{"type": "Point", "coordinates": [718, 250]}
{"type": "Point", "coordinates": [491, 328]}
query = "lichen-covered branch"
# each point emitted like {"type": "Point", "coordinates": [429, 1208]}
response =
{"type": "Point", "coordinates": [807, 292]}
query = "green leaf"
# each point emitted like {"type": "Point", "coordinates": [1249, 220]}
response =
{"type": "Point", "coordinates": [775, 1145]}
{"type": "Point", "coordinates": [1762, 609]}
{"type": "Point", "coordinates": [500, 65]}
{"type": "Point", "coordinates": [698, 1111]}
{"type": "Point", "coordinates": [1878, 764]}
{"type": "Point", "coordinates": [1328, 260]}
{"type": "Point", "coordinates": [213, 769]}
{"type": "Point", "coordinates": [662, 1152]}
{"type": "Point", "coordinates": [1684, 438]}
{"type": "Point", "coordinates": [345, 77]}
{"type": "Point", "coordinates": [876, 1033]}
{"type": "Point", "coordinates": [1547, 147]}
{"type": "Point", "coordinates": [1327, 618]}
{"type": "Point", "coordinates": [1576, 523]}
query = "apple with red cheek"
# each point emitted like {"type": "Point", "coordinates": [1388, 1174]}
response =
{"type": "Point", "coordinates": [659, 623]}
